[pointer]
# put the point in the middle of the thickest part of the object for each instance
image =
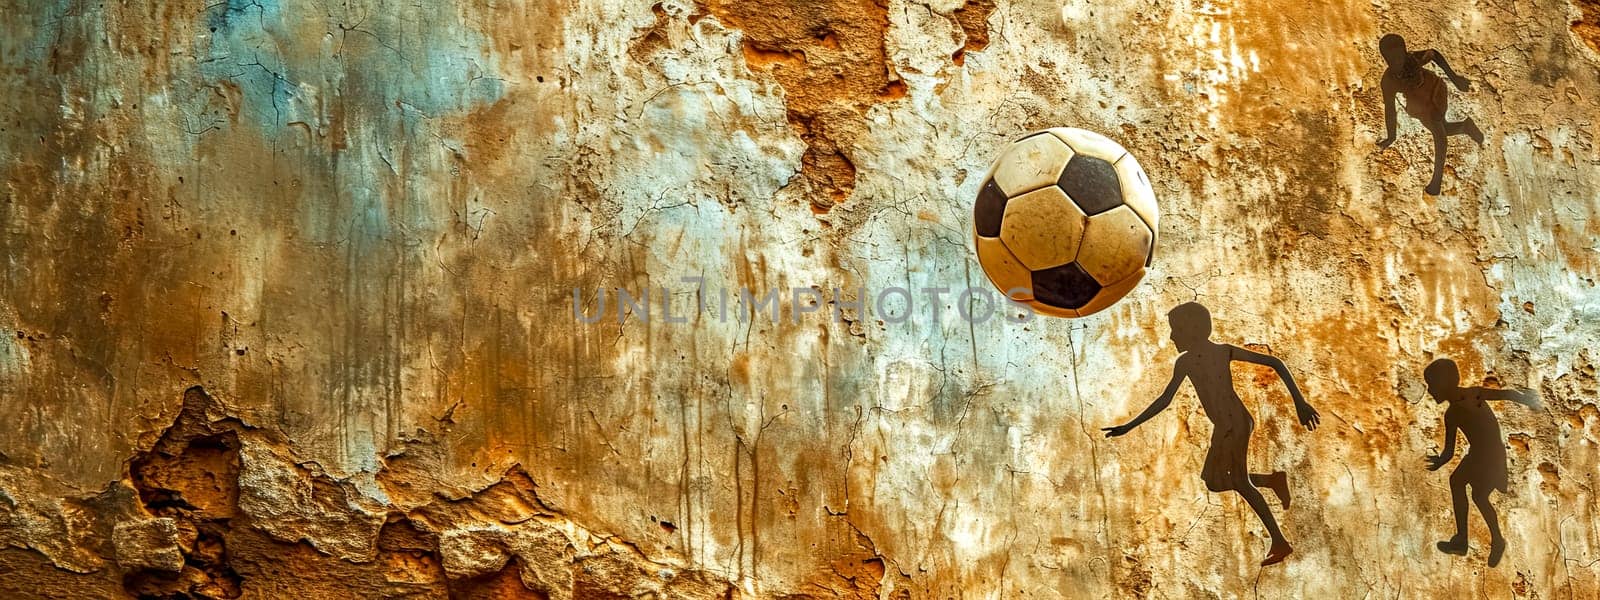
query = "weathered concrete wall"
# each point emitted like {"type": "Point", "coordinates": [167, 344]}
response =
{"type": "Point", "coordinates": [288, 295]}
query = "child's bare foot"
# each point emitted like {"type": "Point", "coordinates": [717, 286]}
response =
{"type": "Point", "coordinates": [1473, 131]}
{"type": "Point", "coordinates": [1497, 548]}
{"type": "Point", "coordinates": [1279, 483]}
{"type": "Point", "coordinates": [1279, 551]}
{"type": "Point", "coordinates": [1456, 545]}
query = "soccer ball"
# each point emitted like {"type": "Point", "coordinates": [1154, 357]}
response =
{"type": "Point", "coordinates": [1065, 222]}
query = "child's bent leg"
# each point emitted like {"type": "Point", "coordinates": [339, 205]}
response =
{"type": "Point", "coordinates": [1277, 481]}
{"type": "Point", "coordinates": [1467, 128]}
{"type": "Point", "coordinates": [1497, 543]}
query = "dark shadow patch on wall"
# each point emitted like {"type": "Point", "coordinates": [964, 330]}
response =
{"type": "Point", "coordinates": [504, 584]}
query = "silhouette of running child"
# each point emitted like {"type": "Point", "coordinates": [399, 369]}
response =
{"type": "Point", "coordinates": [1426, 98]}
{"type": "Point", "coordinates": [1207, 365]}
{"type": "Point", "coordinates": [1484, 466]}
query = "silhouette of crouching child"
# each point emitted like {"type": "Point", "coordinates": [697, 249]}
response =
{"type": "Point", "coordinates": [1484, 467]}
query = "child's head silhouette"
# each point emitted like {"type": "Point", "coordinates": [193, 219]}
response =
{"type": "Point", "coordinates": [1191, 325]}
{"type": "Point", "coordinates": [1443, 377]}
{"type": "Point", "coordinates": [1393, 49]}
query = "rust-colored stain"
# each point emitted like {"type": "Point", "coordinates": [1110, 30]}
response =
{"type": "Point", "coordinates": [973, 17]}
{"type": "Point", "coordinates": [829, 57]}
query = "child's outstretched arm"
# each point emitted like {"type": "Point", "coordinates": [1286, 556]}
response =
{"type": "Point", "coordinates": [1528, 398]}
{"type": "Point", "coordinates": [1390, 121]}
{"type": "Point", "coordinates": [1438, 460]}
{"type": "Point", "coordinates": [1435, 57]}
{"type": "Point", "coordinates": [1308, 416]}
{"type": "Point", "coordinates": [1160, 403]}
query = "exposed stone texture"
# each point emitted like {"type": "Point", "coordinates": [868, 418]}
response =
{"type": "Point", "coordinates": [149, 544]}
{"type": "Point", "coordinates": [288, 291]}
{"type": "Point", "coordinates": [472, 552]}
{"type": "Point", "coordinates": [293, 503]}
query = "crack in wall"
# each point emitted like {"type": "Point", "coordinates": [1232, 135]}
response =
{"type": "Point", "coordinates": [177, 527]}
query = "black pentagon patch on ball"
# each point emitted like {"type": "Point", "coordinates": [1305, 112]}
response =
{"type": "Point", "coordinates": [990, 209]}
{"type": "Point", "coordinates": [1067, 286]}
{"type": "Point", "coordinates": [1092, 183]}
